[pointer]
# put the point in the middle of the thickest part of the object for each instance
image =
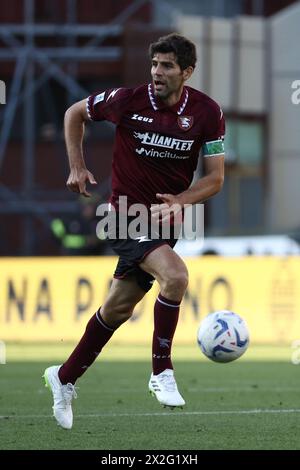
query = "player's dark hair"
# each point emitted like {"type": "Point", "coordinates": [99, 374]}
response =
{"type": "Point", "coordinates": [183, 48]}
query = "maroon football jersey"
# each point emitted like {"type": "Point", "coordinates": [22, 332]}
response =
{"type": "Point", "coordinates": [156, 147]}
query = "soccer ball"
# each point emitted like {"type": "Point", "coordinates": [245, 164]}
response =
{"type": "Point", "coordinates": [223, 336]}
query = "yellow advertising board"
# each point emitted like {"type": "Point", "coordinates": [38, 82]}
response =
{"type": "Point", "coordinates": [51, 299]}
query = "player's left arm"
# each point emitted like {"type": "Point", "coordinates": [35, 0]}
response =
{"type": "Point", "coordinates": [213, 156]}
{"type": "Point", "coordinates": [208, 185]}
{"type": "Point", "coordinates": [200, 191]}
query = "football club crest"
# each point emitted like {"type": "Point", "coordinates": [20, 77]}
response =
{"type": "Point", "coordinates": [185, 122]}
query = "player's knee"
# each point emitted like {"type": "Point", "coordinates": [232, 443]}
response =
{"type": "Point", "coordinates": [115, 315]}
{"type": "Point", "coordinates": [177, 281]}
{"type": "Point", "coordinates": [124, 314]}
{"type": "Point", "coordinates": [121, 317]}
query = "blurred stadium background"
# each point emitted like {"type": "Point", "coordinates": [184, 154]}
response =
{"type": "Point", "coordinates": [53, 53]}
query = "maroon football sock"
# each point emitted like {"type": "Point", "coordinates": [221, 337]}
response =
{"type": "Point", "coordinates": [166, 313]}
{"type": "Point", "coordinates": [96, 335]}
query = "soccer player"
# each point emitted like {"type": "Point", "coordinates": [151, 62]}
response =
{"type": "Point", "coordinates": [160, 130]}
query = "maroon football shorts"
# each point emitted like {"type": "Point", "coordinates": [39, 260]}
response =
{"type": "Point", "coordinates": [132, 251]}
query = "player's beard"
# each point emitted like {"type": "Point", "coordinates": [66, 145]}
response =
{"type": "Point", "coordinates": [168, 88]}
{"type": "Point", "coordinates": [164, 93]}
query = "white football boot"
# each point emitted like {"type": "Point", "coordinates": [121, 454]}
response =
{"type": "Point", "coordinates": [164, 387]}
{"type": "Point", "coordinates": [62, 397]}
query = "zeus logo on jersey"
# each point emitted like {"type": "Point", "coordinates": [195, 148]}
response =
{"type": "Point", "coordinates": [158, 140]}
{"type": "Point", "coordinates": [142, 239]}
{"type": "Point", "coordinates": [136, 117]}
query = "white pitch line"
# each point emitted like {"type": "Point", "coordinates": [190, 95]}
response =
{"type": "Point", "coordinates": [191, 390]}
{"type": "Point", "coordinates": [242, 389]}
{"type": "Point", "coordinates": [167, 413]}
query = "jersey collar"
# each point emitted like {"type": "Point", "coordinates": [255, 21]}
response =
{"type": "Point", "coordinates": [158, 104]}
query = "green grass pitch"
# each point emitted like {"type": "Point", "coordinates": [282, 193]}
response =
{"type": "Point", "coordinates": [249, 404]}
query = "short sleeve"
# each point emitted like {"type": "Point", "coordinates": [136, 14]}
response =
{"type": "Point", "coordinates": [109, 105]}
{"type": "Point", "coordinates": [214, 137]}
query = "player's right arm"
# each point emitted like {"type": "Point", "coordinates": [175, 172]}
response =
{"type": "Point", "coordinates": [108, 105]}
{"type": "Point", "coordinates": [74, 124]}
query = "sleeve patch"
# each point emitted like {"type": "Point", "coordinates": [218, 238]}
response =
{"type": "Point", "coordinates": [215, 147]}
{"type": "Point", "coordinates": [99, 98]}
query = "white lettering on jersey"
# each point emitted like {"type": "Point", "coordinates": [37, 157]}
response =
{"type": "Point", "coordinates": [112, 93]}
{"type": "Point", "coordinates": [158, 140]}
{"type": "Point", "coordinates": [137, 117]}
{"type": "Point", "coordinates": [142, 152]}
